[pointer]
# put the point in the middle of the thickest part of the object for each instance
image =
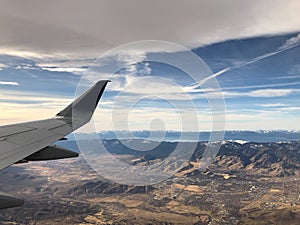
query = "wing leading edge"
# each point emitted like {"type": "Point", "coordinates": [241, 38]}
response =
{"type": "Point", "coordinates": [82, 109]}
{"type": "Point", "coordinates": [32, 141]}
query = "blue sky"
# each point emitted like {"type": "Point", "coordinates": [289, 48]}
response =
{"type": "Point", "coordinates": [49, 57]}
{"type": "Point", "coordinates": [260, 95]}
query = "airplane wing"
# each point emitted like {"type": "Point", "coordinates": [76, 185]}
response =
{"type": "Point", "coordinates": [32, 141]}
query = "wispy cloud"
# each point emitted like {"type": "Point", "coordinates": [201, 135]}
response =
{"type": "Point", "coordinates": [272, 105]}
{"type": "Point", "coordinates": [21, 97]}
{"type": "Point", "coordinates": [260, 93]}
{"type": "Point", "coordinates": [133, 62]}
{"type": "Point", "coordinates": [70, 65]}
{"type": "Point", "coordinates": [285, 77]}
{"type": "Point", "coordinates": [291, 108]}
{"type": "Point", "coordinates": [2, 66]}
{"type": "Point", "coordinates": [66, 69]}
{"type": "Point", "coordinates": [12, 83]}
{"type": "Point", "coordinates": [294, 41]}
{"type": "Point", "coordinates": [271, 93]}
{"type": "Point", "coordinates": [260, 86]}
{"type": "Point", "coordinates": [25, 54]}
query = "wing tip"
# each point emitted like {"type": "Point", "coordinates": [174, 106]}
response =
{"type": "Point", "coordinates": [102, 81]}
{"type": "Point", "coordinates": [96, 90]}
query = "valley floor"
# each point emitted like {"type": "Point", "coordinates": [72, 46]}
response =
{"type": "Point", "coordinates": [57, 193]}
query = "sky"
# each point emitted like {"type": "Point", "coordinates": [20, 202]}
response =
{"type": "Point", "coordinates": [176, 65]}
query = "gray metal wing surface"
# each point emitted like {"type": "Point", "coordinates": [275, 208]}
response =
{"type": "Point", "coordinates": [32, 140]}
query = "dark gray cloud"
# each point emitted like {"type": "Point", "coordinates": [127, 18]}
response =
{"type": "Point", "coordinates": [75, 27]}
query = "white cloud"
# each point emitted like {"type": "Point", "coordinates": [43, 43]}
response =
{"type": "Point", "coordinates": [263, 119]}
{"type": "Point", "coordinates": [133, 63]}
{"type": "Point", "coordinates": [291, 42]}
{"type": "Point", "coordinates": [15, 113]}
{"type": "Point", "coordinates": [12, 83]}
{"type": "Point", "coordinates": [25, 66]}
{"type": "Point", "coordinates": [259, 93]}
{"type": "Point", "coordinates": [21, 96]}
{"type": "Point", "coordinates": [147, 86]}
{"type": "Point", "coordinates": [66, 69]}
{"type": "Point", "coordinates": [260, 86]}
{"type": "Point", "coordinates": [72, 63]}
{"type": "Point", "coordinates": [19, 106]}
{"type": "Point", "coordinates": [2, 66]}
{"type": "Point", "coordinates": [290, 108]}
{"type": "Point", "coordinates": [293, 72]}
{"type": "Point", "coordinates": [30, 53]}
{"type": "Point", "coordinates": [270, 93]}
{"type": "Point", "coordinates": [272, 105]}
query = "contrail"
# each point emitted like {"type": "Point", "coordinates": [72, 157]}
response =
{"type": "Point", "coordinates": [256, 59]}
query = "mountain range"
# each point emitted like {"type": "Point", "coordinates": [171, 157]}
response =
{"type": "Point", "coordinates": [250, 136]}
